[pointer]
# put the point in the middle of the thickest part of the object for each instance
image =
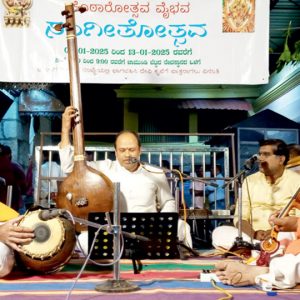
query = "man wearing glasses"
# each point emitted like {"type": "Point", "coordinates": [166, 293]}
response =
{"type": "Point", "coordinates": [263, 193]}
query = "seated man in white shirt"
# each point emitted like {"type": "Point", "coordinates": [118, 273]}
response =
{"type": "Point", "coordinates": [142, 188]}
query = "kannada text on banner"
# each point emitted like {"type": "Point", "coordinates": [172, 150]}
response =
{"type": "Point", "coordinates": [174, 42]}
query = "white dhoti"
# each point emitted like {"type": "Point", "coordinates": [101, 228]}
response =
{"type": "Point", "coordinates": [284, 272]}
{"type": "Point", "coordinates": [223, 237]}
{"type": "Point", "coordinates": [184, 233]}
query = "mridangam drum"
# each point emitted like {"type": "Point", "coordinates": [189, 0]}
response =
{"type": "Point", "coordinates": [52, 245]}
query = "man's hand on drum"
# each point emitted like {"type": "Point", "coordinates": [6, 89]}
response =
{"type": "Point", "coordinates": [13, 235]}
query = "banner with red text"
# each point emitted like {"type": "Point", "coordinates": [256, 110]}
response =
{"type": "Point", "coordinates": [130, 41]}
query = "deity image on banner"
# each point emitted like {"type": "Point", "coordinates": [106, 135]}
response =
{"type": "Point", "coordinates": [238, 15]}
{"type": "Point", "coordinates": [17, 13]}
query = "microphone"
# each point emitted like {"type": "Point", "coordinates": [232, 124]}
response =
{"type": "Point", "coordinates": [133, 160]}
{"type": "Point", "coordinates": [248, 165]}
{"type": "Point", "coordinates": [48, 214]}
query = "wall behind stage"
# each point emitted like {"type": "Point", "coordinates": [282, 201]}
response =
{"type": "Point", "coordinates": [121, 41]}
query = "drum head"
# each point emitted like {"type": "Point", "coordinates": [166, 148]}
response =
{"type": "Point", "coordinates": [49, 236]}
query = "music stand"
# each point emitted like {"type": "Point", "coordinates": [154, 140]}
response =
{"type": "Point", "coordinates": [159, 228]}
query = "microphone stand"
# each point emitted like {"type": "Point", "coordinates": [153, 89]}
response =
{"type": "Point", "coordinates": [116, 285]}
{"type": "Point", "coordinates": [185, 176]}
{"type": "Point", "coordinates": [239, 245]}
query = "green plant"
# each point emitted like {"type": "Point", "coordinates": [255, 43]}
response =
{"type": "Point", "coordinates": [286, 56]}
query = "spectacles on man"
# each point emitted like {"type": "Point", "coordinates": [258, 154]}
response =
{"type": "Point", "coordinates": [265, 154]}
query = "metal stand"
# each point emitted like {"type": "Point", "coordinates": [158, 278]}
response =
{"type": "Point", "coordinates": [185, 176]}
{"type": "Point", "coordinates": [116, 285]}
{"type": "Point", "coordinates": [240, 246]}
{"type": "Point", "coordinates": [9, 195]}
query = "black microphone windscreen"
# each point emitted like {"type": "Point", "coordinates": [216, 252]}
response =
{"type": "Point", "coordinates": [47, 214]}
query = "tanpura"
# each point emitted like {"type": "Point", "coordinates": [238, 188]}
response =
{"type": "Point", "coordinates": [85, 190]}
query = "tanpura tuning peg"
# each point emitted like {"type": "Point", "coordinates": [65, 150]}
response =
{"type": "Point", "coordinates": [65, 12]}
{"type": "Point", "coordinates": [60, 26]}
{"type": "Point", "coordinates": [82, 9]}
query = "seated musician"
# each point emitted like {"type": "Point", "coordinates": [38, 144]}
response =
{"type": "Point", "coordinates": [284, 271]}
{"type": "Point", "coordinates": [263, 193]}
{"type": "Point", "coordinates": [11, 236]}
{"type": "Point", "coordinates": [142, 189]}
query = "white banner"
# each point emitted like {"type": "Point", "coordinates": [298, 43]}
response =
{"type": "Point", "coordinates": [130, 41]}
